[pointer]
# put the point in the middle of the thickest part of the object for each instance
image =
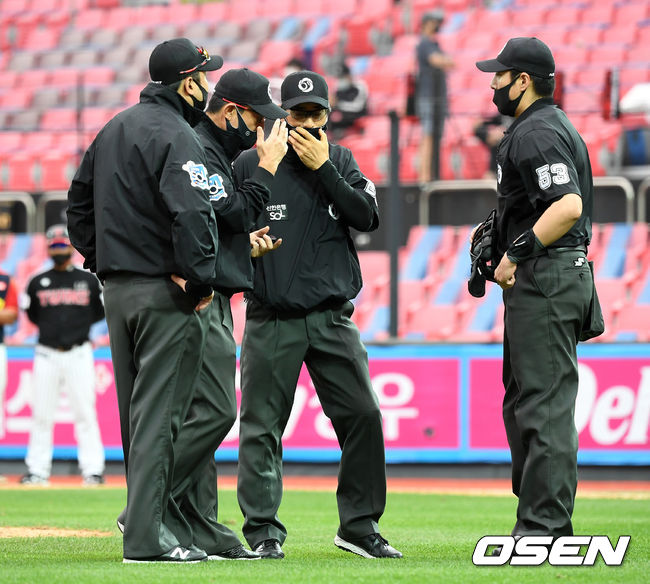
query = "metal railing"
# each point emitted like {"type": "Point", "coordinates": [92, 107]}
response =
{"type": "Point", "coordinates": [483, 184]}
{"type": "Point", "coordinates": [27, 201]}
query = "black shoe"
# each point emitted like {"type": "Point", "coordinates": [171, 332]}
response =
{"type": "Point", "coordinates": [270, 549]}
{"type": "Point", "coordinates": [239, 552]}
{"type": "Point", "coordinates": [93, 480]}
{"type": "Point", "coordinates": [34, 480]}
{"type": "Point", "coordinates": [371, 546]}
{"type": "Point", "coordinates": [178, 554]}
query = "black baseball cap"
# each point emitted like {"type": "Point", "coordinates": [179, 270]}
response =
{"type": "Point", "coordinates": [247, 88]}
{"type": "Point", "coordinates": [304, 87]}
{"type": "Point", "coordinates": [527, 54]}
{"type": "Point", "coordinates": [437, 15]}
{"type": "Point", "coordinates": [175, 59]}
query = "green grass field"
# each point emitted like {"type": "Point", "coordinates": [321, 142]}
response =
{"type": "Point", "coordinates": [436, 533]}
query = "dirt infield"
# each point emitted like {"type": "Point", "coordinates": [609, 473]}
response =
{"type": "Point", "coordinates": [7, 532]}
{"type": "Point", "coordinates": [423, 485]}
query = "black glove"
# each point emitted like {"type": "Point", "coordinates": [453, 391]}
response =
{"type": "Point", "coordinates": [482, 254]}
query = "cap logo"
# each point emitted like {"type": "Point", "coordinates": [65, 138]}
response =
{"type": "Point", "coordinates": [306, 85]}
{"type": "Point", "coordinates": [268, 90]}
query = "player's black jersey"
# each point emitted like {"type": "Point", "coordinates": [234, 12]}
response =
{"type": "Point", "coordinates": [63, 305]}
{"type": "Point", "coordinates": [312, 211]}
{"type": "Point", "coordinates": [541, 158]}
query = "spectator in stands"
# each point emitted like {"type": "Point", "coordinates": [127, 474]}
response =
{"type": "Point", "coordinates": [544, 207]}
{"type": "Point", "coordinates": [431, 94]}
{"type": "Point", "coordinates": [275, 82]}
{"type": "Point", "coordinates": [349, 103]}
{"type": "Point", "coordinates": [8, 315]}
{"type": "Point", "coordinates": [299, 311]}
{"type": "Point", "coordinates": [490, 132]}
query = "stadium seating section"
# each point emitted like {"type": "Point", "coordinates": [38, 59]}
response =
{"type": "Point", "coordinates": [66, 67]}
{"type": "Point", "coordinates": [61, 56]}
{"type": "Point", "coordinates": [435, 305]}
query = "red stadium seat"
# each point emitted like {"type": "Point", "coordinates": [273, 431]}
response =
{"type": "Point", "coordinates": [22, 173]}
{"type": "Point", "coordinates": [635, 319]}
{"type": "Point", "coordinates": [57, 170]}
{"type": "Point", "coordinates": [564, 15]}
{"type": "Point", "coordinates": [585, 36]}
{"type": "Point", "coordinates": [623, 34]}
{"type": "Point", "coordinates": [600, 13]}
{"type": "Point", "coordinates": [10, 142]}
{"type": "Point", "coordinates": [59, 119]}
{"type": "Point", "coordinates": [277, 53]}
{"type": "Point", "coordinates": [627, 12]}
{"type": "Point", "coordinates": [528, 17]}
{"type": "Point", "coordinates": [37, 142]}
{"type": "Point", "coordinates": [608, 55]}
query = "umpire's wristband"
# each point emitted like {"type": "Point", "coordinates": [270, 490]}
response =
{"type": "Point", "coordinates": [524, 247]}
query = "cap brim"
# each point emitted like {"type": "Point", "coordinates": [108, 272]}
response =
{"type": "Point", "coordinates": [269, 110]}
{"type": "Point", "coordinates": [305, 99]}
{"type": "Point", "coordinates": [492, 66]}
{"type": "Point", "coordinates": [215, 62]}
{"type": "Point", "coordinates": [58, 243]}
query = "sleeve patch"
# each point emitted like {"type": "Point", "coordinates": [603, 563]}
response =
{"type": "Point", "coordinates": [199, 178]}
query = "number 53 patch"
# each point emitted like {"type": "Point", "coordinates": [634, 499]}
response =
{"type": "Point", "coordinates": [552, 174]}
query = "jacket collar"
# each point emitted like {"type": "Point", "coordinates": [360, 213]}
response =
{"type": "Point", "coordinates": [163, 95]}
{"type": "Point", "coordinates": [532, 108]}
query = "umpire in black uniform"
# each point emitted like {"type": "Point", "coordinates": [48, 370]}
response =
{"type": "Point", "coordinates": [234, 122]}
{"type": "Point", "coordinates": [139, 213]}
{"type": "Point", "coordinates": [299, 312]}
{"type": "Point", "coordinates": [544, 208]}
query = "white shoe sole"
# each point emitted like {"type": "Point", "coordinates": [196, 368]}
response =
{"type": "Point", "coordinates": [221, 558]}
{"type": "Point", "coordinates": [129, 561]}
{"type": "Point", "coordinates": [349, 547]}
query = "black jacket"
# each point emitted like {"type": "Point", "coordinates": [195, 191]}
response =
{"type": "Point", "coordinates": [235, 209]}
{"type": "Point", "coordinates": [139, 201]}
{"type": "Point", "coordinates": [312, 211]}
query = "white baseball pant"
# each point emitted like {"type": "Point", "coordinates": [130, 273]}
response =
{"type": "Point", "coordinates": [74, 372]}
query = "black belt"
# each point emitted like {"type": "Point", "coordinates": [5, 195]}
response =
{"type": "Point", "coordinates": [582, 248]}
{"type": "Point", "coordinates": [63, 348]}
{"type": "Point", "coordinates": [548, 251]}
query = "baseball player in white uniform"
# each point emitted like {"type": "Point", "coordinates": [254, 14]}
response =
{"type": "Point", "coordinates": [63, 302]}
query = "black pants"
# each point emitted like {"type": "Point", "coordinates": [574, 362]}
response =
{"type": "Point", "coordinates": [273, 351]}
{"type": "Point", "coordinates": [544, 312]}
{"type": "Point", "coordinates": [211, 415]}
{"type": "Point", "coordinates": [156, 341]}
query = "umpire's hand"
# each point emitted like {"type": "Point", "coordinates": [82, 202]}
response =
{"type": "Point", "coordinates": [262, 243]}
{"type": "Point", "coordinates": [272, 150]}
{"type": "Point", "coordinates": [505, 273]}
{"type": "Point", "coordinates": [313, 153]}
{"type": "Point", "coordinates": [203, 302]}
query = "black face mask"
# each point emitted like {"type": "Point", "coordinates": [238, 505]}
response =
{"type": "Point", "coordinates": [312, 131]}
{"type": "Point", "coordinates": [200, 104]}
{"type": "Point", "coordinates": [505, 105]}
{"type": "Point", "coordinates": [239, 138]}
{"type": "Point", "coordinates": [60, 258]}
